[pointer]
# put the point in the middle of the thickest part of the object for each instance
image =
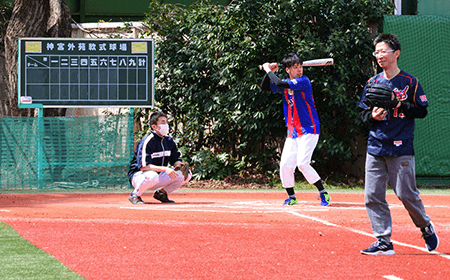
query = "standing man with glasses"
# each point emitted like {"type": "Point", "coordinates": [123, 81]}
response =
{"type": "Point", "coordinates": [390, 151]}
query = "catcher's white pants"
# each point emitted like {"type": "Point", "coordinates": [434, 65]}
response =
{"type": "Point", "coordinates": [298, 153]}
{"type": "Point", "coordinates": [151, 180]}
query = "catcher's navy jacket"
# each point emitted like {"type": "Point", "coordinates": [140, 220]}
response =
{"type": "Point", "coordinates": [156, 150]}
{"type": "Point", "coordinates": [300, 112]}
{"type": "Point", "coordinates": [395, 134]}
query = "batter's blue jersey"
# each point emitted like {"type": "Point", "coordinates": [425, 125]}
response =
{"type": "Point", "coordinates": [394, 135]}
{"type": "Point", "coordinates": [300, 112]}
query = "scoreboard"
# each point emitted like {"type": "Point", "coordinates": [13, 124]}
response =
{"type": "Point", "coordinates": [71, 72]}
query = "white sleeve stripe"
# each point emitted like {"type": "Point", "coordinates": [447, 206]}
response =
{"type": "Point", "coordinates": [144, 149]}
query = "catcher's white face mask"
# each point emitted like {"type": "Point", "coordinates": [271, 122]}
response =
{"type": "Point", "coordinates": [163, 129]}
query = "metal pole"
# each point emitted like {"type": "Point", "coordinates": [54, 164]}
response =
{"type": "Point", "coordinates": [131, 136]}
{"type": "Point", "coordinates": [40, 154]}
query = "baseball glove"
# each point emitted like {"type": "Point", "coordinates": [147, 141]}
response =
{"type": "Point", "coordinates": [379, 95]}
{"type": "Point", "coordinates": [183, 167]}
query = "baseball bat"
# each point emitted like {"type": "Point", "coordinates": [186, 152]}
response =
{"type": "Point", "coordinates": [314, 62]}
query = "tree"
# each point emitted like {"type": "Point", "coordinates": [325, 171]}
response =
{"type": "Point", "coordinates": [208, 77]}
{"type": "Point", "coordinates": [32, 18]}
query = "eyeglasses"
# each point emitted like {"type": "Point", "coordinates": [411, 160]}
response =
{"type": "Point", "coordinates": [382, 52]}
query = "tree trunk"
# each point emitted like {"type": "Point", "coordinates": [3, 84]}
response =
{"type": "Point", "coordinates": [32, 18]}
{"type": "Point", "coordinates": [60, 21]}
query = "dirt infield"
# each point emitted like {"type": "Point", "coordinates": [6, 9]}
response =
{"type": "Point", "coordinates": [225, 235]}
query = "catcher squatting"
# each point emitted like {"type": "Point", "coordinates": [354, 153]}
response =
{"type": "Point", "coordinates": [149, 167]}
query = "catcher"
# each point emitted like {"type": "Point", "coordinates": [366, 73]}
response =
{"type": "Point", "coordinates": [149, 167]}
{"type": "Point", "coordinates": [390, 103]}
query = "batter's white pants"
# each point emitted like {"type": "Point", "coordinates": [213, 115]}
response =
{"type": "Point", "coordinates": [298, 153]}
{"type": "Point", "coordinates": [151, 180]}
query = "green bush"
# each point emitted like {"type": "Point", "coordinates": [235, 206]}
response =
{"type": "Point", "coordinates": [211, 166]}
{"type": "Point", "coordinates": [208, 76]}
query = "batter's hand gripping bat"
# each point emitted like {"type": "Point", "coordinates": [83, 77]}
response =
{"type": "Point", "coordinates": [314, 62]}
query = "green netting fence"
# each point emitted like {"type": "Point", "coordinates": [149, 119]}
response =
{"type": "Point", "coordinates": [425, 54]}
{"type": "Point", "coordinates": [65, 152]}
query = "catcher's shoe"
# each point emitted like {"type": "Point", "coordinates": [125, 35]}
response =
{"type": "Point", "coordinates": [162, 196]}
{"type": "Point", "coordinates": [379, 247]}
{"type": "Point", "coordinates": [133, 198]}
{"type": "Point", "coordinates": [325, 199]}
{"type": "Point", "coordinates": [431, 239]}
{"type": "Point", "coordinates": [290, 201]}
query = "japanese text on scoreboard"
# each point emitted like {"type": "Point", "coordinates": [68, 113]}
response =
{"type": "Point", "coordinates": [69, 72]}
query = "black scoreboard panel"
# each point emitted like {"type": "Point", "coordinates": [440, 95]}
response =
{"type": "Point", "coordinates": [69, 72]}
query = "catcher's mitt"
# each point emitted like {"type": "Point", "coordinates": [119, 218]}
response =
{"type": "Point", "coordinates": [183, 167]}
{"type": "Point", "coordinates": [379, 95]}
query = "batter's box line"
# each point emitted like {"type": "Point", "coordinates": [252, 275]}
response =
{"type": "Point", "coordinates": [231, 208]}
{"type": "Point", "coordinates": [205, 210]}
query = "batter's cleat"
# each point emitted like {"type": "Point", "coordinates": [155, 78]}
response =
{"type": "Point", "coordinates": [325, 199]}
{"type": "Point", "coordinates": [379, 247]}
{"type": "Point", "coordinates": [290, 201]}
{"type": "Point", "coordinates": [431, 239]}
{"type": "Point", "coordinates": [162, 196]}
{"type": "Point", "coordinates": [133, 198]}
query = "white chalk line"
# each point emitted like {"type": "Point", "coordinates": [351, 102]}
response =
{"type": "Point", "coordinates": [223, 208]}
{"type": "Point", "coordinates": [366, 234]}
{"type": "Point", "coordinates": [249, 206]}
{"type": "Point", "coordinates": [392, 277]}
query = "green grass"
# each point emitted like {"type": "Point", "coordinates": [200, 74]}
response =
{"type": "Point", "coordinates": [19, 259]}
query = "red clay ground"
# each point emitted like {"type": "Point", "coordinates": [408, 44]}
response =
{"type": "Point", "coordinates": [225, 235]}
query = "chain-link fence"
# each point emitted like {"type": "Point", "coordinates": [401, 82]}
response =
{"type": "Point", "coordinates": [76, 152]}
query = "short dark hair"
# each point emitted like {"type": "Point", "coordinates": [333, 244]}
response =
{"type": "Point", "coordinates": [290, 60]}
{"type": "Point", "coordinates": [154, 117]}
{"type": "Point", "coordinates": [390, 39]}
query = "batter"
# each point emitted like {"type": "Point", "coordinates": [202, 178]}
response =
{"type": "Point", "coordinates": [303, 127]}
